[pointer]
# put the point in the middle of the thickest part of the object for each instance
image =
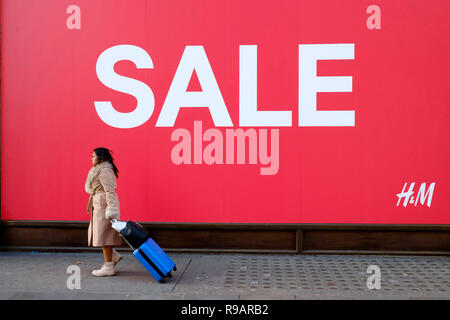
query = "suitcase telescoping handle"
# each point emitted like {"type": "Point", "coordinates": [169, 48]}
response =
{"type": "Point", "coordinates": [116, 221]}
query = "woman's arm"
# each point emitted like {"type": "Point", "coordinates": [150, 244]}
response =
{"type": "Point", "coordinates": [108, 180]}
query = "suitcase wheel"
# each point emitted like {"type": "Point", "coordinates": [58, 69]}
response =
{"type": "Point", "coordinates": [169, 275]}
{"type": "Point", "coordinates": [174, 268]}
{"type": "Point", "coordinates": [162, 280]}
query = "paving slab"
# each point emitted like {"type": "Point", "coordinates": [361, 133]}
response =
{"type": "Point", "coordinates": [154, 297]}
{"type": "Point", "coordinates": [82, 295]}
{"type": "Point", "coordinates": [267, 297]}
{"type": "Point", "coordinates": [191, 296]}
{"type": "Point", "coordinates": [47, 272]}
{"type": "Point", "coordinates": [8, 295]}
{"type": "Point", "coordinates": [28, 276]}
{"type": "Point", "coordinates": [42, 296]}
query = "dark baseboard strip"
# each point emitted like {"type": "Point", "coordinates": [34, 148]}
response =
{"type": "Point", "coordinates": [50, 249]}
{"type": "Point", "coordinates": [129, 250]}
{"type": "Point", "coordinates": [71, 236]}
{"type": "Point", "coordinates": [212, 251]}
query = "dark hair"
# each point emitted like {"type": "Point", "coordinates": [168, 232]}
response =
{"type": "Point", "coordinates": [104, 154]}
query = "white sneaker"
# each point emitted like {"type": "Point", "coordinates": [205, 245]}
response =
{"type": "Point", "coordinates": [116, 257]}
{"type": "Point", "coordinates": [106, 270]}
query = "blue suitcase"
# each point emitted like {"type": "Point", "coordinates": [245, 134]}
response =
{"type": "Point", "coordinates": [148, 253]}
{"type": "Point", "coordinates": [155, 260]}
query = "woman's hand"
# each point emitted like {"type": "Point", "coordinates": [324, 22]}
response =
{"type": "Point", "coordinates": [111, 214]}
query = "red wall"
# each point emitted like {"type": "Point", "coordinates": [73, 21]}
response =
{"type": "Point", "coordinates": [326, 174]}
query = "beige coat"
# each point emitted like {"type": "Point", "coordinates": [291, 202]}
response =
{"type": "Point", "coordinates": [103, 205]}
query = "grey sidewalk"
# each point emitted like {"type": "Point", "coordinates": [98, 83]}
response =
{"type": "Point", "coordinates": [26, 275]}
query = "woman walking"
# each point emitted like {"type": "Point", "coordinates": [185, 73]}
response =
{"type": "Point", "coordinates": [103, 206]}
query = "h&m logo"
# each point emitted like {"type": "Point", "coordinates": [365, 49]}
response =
{"type": "Point", "coordinates": [422, 194]}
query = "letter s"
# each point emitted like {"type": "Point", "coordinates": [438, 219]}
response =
{"type": "Point", "coordinates": [142, 93]}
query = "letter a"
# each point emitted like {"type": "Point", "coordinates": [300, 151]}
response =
{"type": "Point", "coordinates": [374, 21]}
{"type": "Point", "coordinates": [74, 280]}
{"type": "Point", "coordinates": [374, 281]}
{"type": "Point", "coordinates": [183, 147]}
{"type": "Point", "coordinates": [194, 57]}
{"type": "Point", "coordinates": [73, 21]}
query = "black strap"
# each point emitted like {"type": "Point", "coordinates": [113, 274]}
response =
{"type": "Point", "coordinates": [151, 263]}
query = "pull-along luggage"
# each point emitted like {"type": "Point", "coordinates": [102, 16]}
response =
{"type": "Point", "coordinates": [147, 251]}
